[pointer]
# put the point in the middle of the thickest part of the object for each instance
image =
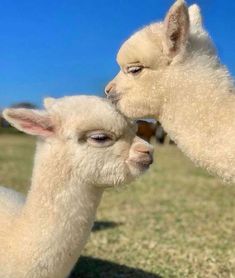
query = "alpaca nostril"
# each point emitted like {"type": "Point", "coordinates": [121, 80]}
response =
{"type": "Point", "coordinates": [144, 149]}
{"type": "Point", "coordinates": [109, 88]}
{"type": "Point", "coordinates": [146, 154]}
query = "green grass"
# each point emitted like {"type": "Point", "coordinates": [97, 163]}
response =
{"type": "Point", "coordinates": [176, 221]}
{"type": "Point", "coordinates": [9, 130]}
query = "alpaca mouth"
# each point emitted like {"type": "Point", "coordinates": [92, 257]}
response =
{"type": "Point", "coordinates": [142, 164]}
{"type": "Point", "coordinates": [114, 97]}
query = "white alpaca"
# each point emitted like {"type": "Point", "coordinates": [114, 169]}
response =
{"type": "Point", "coordinates": [84, 146]}
{"type": "Point", "coordinates": [170, 71]}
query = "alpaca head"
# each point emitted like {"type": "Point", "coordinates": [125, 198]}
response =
{"type": "Point", "coordinates": [148, 58]}
{"type": "Point", "coordinates": [86, 138]}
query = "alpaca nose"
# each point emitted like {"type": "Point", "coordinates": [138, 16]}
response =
{"type": "Point", "coordinates": [140, 155]}
{"type": "Point", "coordinates": [143, 146]}
{"type": "Point", "coordinates": [145, 152]}
{"type": "Point", "coordinates": [110, 88]}
{"type": "Point", "coordinates": [143, 149]}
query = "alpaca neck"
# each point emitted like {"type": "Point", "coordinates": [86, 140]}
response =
{"type": "Point", "coordinates": [199, 114]}
{"type": "Point", "coordinates": [58, 215]}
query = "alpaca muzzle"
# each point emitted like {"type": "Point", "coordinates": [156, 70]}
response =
{"type": "Point", "coordinates": [141, 154]}
{"type": "Point", "coordinates": [111, 93]}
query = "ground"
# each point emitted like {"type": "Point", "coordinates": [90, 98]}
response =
{"type": "Point", "coordinates": [176, 221]}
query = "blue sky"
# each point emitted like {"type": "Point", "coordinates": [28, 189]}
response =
{"type": "Point", "coordinates": [56, 48]}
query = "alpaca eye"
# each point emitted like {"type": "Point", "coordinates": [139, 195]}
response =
{"type": "Point", "coordinates": [134, 70]}
{"type": "Point", "coordinates": [100, 139]}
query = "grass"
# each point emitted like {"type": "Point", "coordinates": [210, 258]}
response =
{"type": "Point", "coordinates": [176, 221]}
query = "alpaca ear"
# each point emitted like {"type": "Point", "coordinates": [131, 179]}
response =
{"type": "Point", "coordinates": [48, 102]}
{"type": "Point", "coordinates": [34, 122]}
{"type": "Point", "coordinates": [195, 17]}
{"type": "Point", "coordinates": [176, 27]}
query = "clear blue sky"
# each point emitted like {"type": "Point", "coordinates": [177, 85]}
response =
{"type": "Point", "coordinates": [54, 48]}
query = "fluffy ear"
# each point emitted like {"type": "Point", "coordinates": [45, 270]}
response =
{"type": "Point", "coordinates": [195, 17]}
{"type": "Point", "coordinates": [34, 122]}
{"type": "Point", "coordinates": [48, 102]}
{"type": "Point", "coordinates": [176, 27]}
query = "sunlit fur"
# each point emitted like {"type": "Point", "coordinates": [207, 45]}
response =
{"type": "Point", "coordinates": [189, 92]}
{"type": "Point", "coordinates": [43, 235]}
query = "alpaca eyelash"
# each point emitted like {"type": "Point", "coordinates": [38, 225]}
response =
{"type": "Point", "coordinates": [101, 137]}
{"type": "Point", "coordinates": [134, 69]}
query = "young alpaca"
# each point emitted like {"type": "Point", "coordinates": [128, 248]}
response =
{"type": "Point", "coordinates": [80, 152]}
{"type": "Point", "coordinates": [170, 71]}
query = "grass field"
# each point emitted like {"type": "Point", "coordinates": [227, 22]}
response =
{"type": "Point", "coordinates": [176, 221]}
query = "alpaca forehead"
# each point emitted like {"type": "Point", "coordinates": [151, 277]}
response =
{"type": "Point", "coordinates": [83, 106]}
{"type": "Point", "coordinates": [114, 123]}
{"type": "Point", "coordinates": [77, 102]}
{"type": "Point", "coordinates": [86, 113]}
{"type": "Point", "coordinates": [142, 46]}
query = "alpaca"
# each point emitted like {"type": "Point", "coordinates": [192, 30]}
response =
{"type": "Point", "coordinates": [85, 145]}
{"type": "Point", "coordinates": [170, 71]}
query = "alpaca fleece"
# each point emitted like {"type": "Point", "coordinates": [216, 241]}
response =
{"type": "Point", "coordinates": [170, 71]}
{"type": "Point", "coordinates": [84, 146]}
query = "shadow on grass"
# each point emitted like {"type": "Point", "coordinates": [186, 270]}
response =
{"type": "Point", "coordinates": [103, 225]}
{"type": "Point", "coordinates": [88, 267]}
